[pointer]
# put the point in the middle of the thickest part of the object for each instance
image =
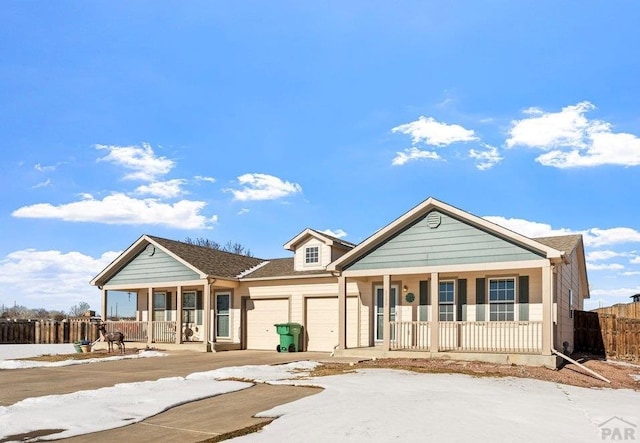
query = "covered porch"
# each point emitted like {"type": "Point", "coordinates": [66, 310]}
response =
{"type": "Point", "coordinates": [196, 313]}
{"type": "Point", "coordinates": [500, 312]}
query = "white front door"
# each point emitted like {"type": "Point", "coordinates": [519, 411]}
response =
{"type": "Point", "coordinates": [379, 311]}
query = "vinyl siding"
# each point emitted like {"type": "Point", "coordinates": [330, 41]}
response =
{"type": "Point", "coordinates": [159, 267]}
{"type": "Point", "coordinates": [452, 242]}
{"type": "Point", "coordinates": [567, 278]}
{"type": "Point", "coordinates": [299, 255]}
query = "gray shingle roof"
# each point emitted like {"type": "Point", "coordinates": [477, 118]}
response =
{"type": "Point", "coordinates": [344, 243]}
{"type": "Point", "coordinates": [210, 261]}
{"type": "Point", "coordinates": [564, 243]}
{"type": "Point", "coordinates": [280, 267]}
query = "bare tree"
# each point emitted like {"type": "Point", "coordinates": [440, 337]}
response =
{"type": "Point", "coordinates": [79, 310]}
{"type": "Point", "coordinates": [230, 246]}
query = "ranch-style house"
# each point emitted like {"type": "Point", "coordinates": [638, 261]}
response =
{"type": "Point", "coordinates": [435, 282]}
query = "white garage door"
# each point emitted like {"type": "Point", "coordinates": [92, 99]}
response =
{"type": "Point", "coordinates": [322, 323]}
{"type": "Point", "coordinates": [261, 316]}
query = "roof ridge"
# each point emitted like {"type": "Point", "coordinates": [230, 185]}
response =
{"type": "Point", "coordinates": [250, 270]}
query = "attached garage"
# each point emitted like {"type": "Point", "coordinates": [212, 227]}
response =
{"type": "Point", "coordinates": [261, 316]}
{"type": "Point", "coordinates": [321, 323]}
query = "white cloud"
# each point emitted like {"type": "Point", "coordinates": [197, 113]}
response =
{"type": "Point", "coordinates": [486, 159]}
{"type": "Point", "coordinates": [263, 187]}
{"type": "Point", "coordinates": [39, 167]}
{"type": "Point", "coordinates": [122, 209]}
{"type": "Point", "coordinates": [635, 260]}
{"type": "Point", "coordinates": [604, 267]}
{"type": "Point", "coordinates": [166, 189]}
{"type": "Point", "coordinates": [43, 184]}
{"type": "Point", "coordinates": [205, 179]}
{"type": "Point", "coordinates": [52, 279]}
{"type": "Point", "coordinates": [601, 237]}
{"type": "Point", "coordinates": [619, 292]}
{"type": "Point", "coordinates": [603, 255]}
{"type": "Point", "coordinates": [434, 133]}
{"type": "Point", "coordinates": [593, 237]}
{"type": "Point", "coordinates": [412, 154]}
{"type": "Point", "coordinates": [141, 160]}
{"type": "Point", "coordinates": [243, 211]}
{"type": "Point", "coordinates": [527, 228]}
{"type": "Point", "coordinates": [338, 233]}
{"type": "Point", "coordinates": [572, 140]}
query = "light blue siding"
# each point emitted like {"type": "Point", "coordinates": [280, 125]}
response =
{"type": "Point", "coordinates": [159, 267]}
{"type": "Point", "coordinates": [453, 242]}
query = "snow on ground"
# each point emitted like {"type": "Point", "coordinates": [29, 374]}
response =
{"type": "Point", "coordinates": [389, 405]}
{"type": "Point", "coordinates": [8, 352]}
{"type": "Point", "coordinates": [85, 412]}
{"type": "Point", "coordinates": [369, 405]}
{"type": "Point", "coordinates": [28, 364]}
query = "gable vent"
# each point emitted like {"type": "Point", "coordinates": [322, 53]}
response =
{"type": "Point", "coordinates": [433, 220]}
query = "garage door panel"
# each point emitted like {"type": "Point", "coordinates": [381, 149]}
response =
{"type": "Point", "coordinates": [322, 323]}
{"type": "Point", "coordinates": [261, 317]}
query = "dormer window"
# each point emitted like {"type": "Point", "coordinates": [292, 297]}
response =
{"type": "Point", "coordinates": [312, 255]}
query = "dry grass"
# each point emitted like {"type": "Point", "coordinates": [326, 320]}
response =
{"type": "Point", "coordinates": [79, 355]}
{"type": "Point", "coordinates": [570, 374]}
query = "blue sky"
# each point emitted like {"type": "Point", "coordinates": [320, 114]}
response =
{"type": "Point", "coordinates": [250, 121]}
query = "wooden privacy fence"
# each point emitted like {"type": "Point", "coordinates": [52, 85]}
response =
{"type": "Point", "coordinates": [47, 331]}
{"type": "Point", "coordinates": [625, 310]}
{"type": "Point", "coordinates": [607, 334]}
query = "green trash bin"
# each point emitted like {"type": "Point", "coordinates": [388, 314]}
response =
{"type": "Point", "coordinates": [289, 336]}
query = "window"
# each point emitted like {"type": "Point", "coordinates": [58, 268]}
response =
{"type": "Point", "coordinates": [222, 315]}
{"type": "Point", "coordinates": [312, 255]}
{"type": "Point", "coordinates": [570, 303]}
{"type": "Point", "coordinates": [159, 306]}
{"type": "Point", "coordinates": [502, 298]}
{"type": "Point", "coordinates": [446, 301]}
{"type": "Point", "coordinates": [189, 307]}
{"type": "Point", "coordinates": [380, 311]}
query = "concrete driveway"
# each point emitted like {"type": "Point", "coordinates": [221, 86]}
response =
{"type": "Point", "coordinates": [192, 422]}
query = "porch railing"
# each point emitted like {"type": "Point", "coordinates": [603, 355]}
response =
{"type": "Point", "coordinates": [470, 336]}
{"type": "Point", "coordinates": [163, 331]}
{"type": "Point", "coordinates": [411, 335]}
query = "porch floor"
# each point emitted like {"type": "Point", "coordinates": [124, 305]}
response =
{"type": "Point", "coordinates": [549, 361]}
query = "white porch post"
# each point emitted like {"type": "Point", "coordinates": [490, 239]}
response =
{"type": "Point", "coordinates": [207, 315]}
{"type": "Point", "coordinates": [179, 315]}
{"type": "Point", "coordinates": [342, 312]}
{"type": "Point", "coordinates": [213, 314]}
{"type": "Point", "coordinates": [435, 298]}
{"type": "Point", "coordinates": [150, 315]}
{"type": "Point", "coordinates": [386, 312]}
{"type": "Point", "coordinates": [547, 309]}
{"type": "Point", "coordinates": [105, 294]}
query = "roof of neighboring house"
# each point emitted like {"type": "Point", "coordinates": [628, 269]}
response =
{"type": "Point", "coordinates": [281, 267]}
{"type": "Point", "coordinates": [566, 243]}
{"type": "Point", "coordinates": [213, 262]}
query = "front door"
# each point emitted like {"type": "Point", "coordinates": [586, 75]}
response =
{"type": "Point", "coordinates": [379, 311]}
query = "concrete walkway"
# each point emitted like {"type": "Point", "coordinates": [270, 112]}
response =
{"type": "Point", "coordinates": [192, 422]}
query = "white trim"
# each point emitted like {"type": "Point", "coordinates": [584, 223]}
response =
{"type": "Point", "coordinates": [444, 269]}
{"type": "Point", "coordinates": [455, 298]}
{"type": "Point", "coordinates": [218, 315]}
{"type": "Point", "coordinates": [375, 309]}
{"type": "Point", "coordinates": [318, 261]}
{"type": "Point", "coordinates": [502, 302]}
{"type": "Point", "coordinates": [291, 244]}
{"type": "Point", "coordinates": [144, 285]}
